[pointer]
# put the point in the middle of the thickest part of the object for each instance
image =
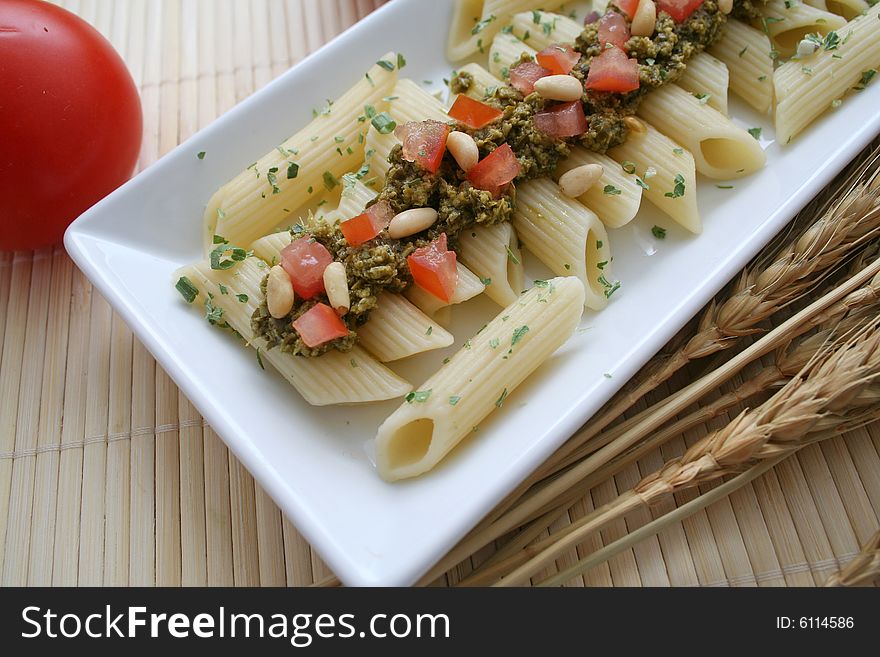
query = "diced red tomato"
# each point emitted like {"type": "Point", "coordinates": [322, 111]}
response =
{"type": "Point", "coordinates": [368, 224]}
{"type": "Point", "coordinates": [473, 113]}
{"type": "Point", "coordinates": [628, 7]}
{"type": "Point", "coordinates": [613, 71]}
{"type": "Point", "coordinates": [319, 324]}
{"type": "Point", "coordinates": [424, 142]}
{"type": "Point", "coordinates": [564, 120]}
{"type": "Point", "coordinates": [558, 58]}
{"type": "Point", "coordinates": [433, 269]}
{"type": "Point", "coordinates": [524, 76]}
{"type": "Point", "coordinates": [679, 10]}
{"type": "Point", "coordinates": [494, 171]}
{"type": "Point", "coordinates": [613, 29]}
{"type": "Point", "coordinates": [305, 260]}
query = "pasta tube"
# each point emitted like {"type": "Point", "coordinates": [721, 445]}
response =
{"type": "Point", "coordinates": [506, 49]}
{"type": "Point", "coordinates": [468, 286]}
{"type": "Point", "coordinates": [483, 83]}
{"type": "Point", "coordinates": [566, 236]}
{"type": "Point", "coordinates": [746, 51]}
{"type": "Point", "coordinates": [849, 9]}
{"type": "Point", "coordinates": [673, 186]}
{"type": "Point", "coordinates": [787, 22]}
{"type": "Point", "coordinates": [469, 34]}
{"type": "Point", "coordinates": [254, 202]}
{"type": "Point", "coordinates": [708, 78]}
{"type": "Point", "coordinates": [397, 329]}
{"type": "Point", "coordinates": [540, 29]}
{"type": "Point", "coordinates": [807, 88]}
{"type": "Point", "coordinates": [492, 253]}
{"type": "Point", "coordinates": [478, 379]}
{"type": "Point", "coordinates": [613, 209]}
{"type": "Point", "coordinates": [333, 378]}
{"type": "Point", "coordinates": [721, 149]}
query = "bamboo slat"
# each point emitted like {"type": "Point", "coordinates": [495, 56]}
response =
{"type": "Point", "coordinates": [109, 476]}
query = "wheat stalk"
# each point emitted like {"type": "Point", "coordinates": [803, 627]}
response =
{"type": "Point", "coordinates": [864, 569]}
{"type": "Point", "coordinates": [823, 399]}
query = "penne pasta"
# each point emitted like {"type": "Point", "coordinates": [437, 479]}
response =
{"type": "Point", "coordinates": [469, 285]}
{"type": "Point", "coordinates": [849, 9]}
{"type": "Point", "coordinates": [721, 149]}
{"type": "Point", "coordinates": [397, 329]}
{"type": "Point", "coordinates": [540, 29]}
{"type": "Point", "coordinates": [566, 236]}
{"type": "Point", "coordinates": [807, 88]}
{"type": "Point", "coordinates": [673, 186]}
{"type": "Point", "coordinates": [492, 253]}
{"type": "Point", "coordinates": [333, 378]}
{"type": "Point", "coordinates": [478, 379]}
{"type": "Point", "coordinates": [482, 84]}
{"type": "Point", "coordinates": [506, 50]}
{"type": "Point", "coordinates": [476, 22]}
{"type": "Point", "coordinates": [355, 196]}
{"type": "Point", "coordinates": [787, 22]}
{"type": "Point", "coordinates": [613, 209]}
{"type": "Point", "coordinates": [268, 248]}
{"type": "Point", "coordinates": [746, 52]}
{"type": "Point", "coordinates": [707, 77]}
{"type": "Point", "coordinates": [251, 204]}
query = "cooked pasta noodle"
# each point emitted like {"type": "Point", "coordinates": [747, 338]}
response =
{"type": "Point", "coordinates": [746, 51]}
{"type": "Point", "coordinates": [492, 253]}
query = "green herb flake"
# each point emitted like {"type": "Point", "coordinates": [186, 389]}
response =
{"type": "Point", "coordinates": [865, 80]}
{"type": "Point", "coordinates": [212, 313]}
{"type": "Point", "coordinates": [678, 151]}
{"type": "Point", "coordinates": [641, 183]}
{"type": "Point", "coordinates": [628, 167]}
{"type": "Point", "coordinates": [512, 256]}
{"type": "Point", "coordinates": [219, 239]}
{"type": "Point", "coordinates": [518, 334]}
{"type": "Point", "coordinates": [494, 342]}
{"type": "Point", "coordinates": [401, 61]}
{"type": "Point", "coordinates": [383, 123]}
{"type": "Point", "coordinates": [486, 281]}
{"type": "Point", "coordinates": [223, 288]}
{"type": "Point", "coordinates": [236, 254]}
{"type": "Point", "coordinates": [500, 401]}
{"type": "Point", "coordinates": [201, 155]}
{"type": "Point", "coordinates": [755, 132]}
{"type": "Point", "coordinates": [243, 298]}
{"type": "Point", "coordinates": [186, 288]}
{"type": "Point", "coordinates": [610, 288]}
{"type": "Point", "coordinates": [599, 244]}
{"type": "Point", "coordinates": [454, 399]}
{"type": "Point", "coordinates": [679, 189]}
{"type": "Point", "coordinates": [481, 25]}
{"type": "Point", "coordinates": [703, 98]}
{"type": "Point", "coordinates": [743, 51]}
{"type": "Point", "coordinates": [384, 63]}
{"type": "Point", "coordinates": [761, 78]}
{"type": "Point", "coordinates": [611, 190]}
{"type": "Point", "coordinates": [536, 17]}
{"type": "Point", "coordinates": [330, 180]}
{"type": "Point", "coordinates": [260, 359]}
{"type": "Point", "coordinates": [419, 396]}
{"type": "Point", "coordinates": [831, 41]}
{"type": "Point", "coordinates": [659, 232]}
{"type": "Point", "coordinates": [292, 170]}
{"type": "Point", "coordinates": [430, 330]}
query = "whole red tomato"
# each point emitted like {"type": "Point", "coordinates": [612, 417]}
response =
{"type": "Point", "coordinates": [70, 121]}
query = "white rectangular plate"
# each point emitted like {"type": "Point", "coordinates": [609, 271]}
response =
{"type": "Point", "coordinates": [312, 461]}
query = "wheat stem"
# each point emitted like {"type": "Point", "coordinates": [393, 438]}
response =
{"type": "Point", "coordinates": [864, 569]}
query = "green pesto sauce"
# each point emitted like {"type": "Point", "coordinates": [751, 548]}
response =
{"type": "Point", "coordinates": [380, 264]}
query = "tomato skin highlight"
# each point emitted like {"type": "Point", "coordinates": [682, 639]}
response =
{"type": "Point", "coordinates": [613, 29]}
{"type": "Point", "coordinates": [368, 224]}
{"type": "Point", "coordinates": [424, 142]}
{"type": "Point", "coordinates": [613, 71]}
{"type": "Point", "coordinates": [679, 10]}
{"type": "Point", "coordinates": [473, 113]}
{"type": "Point", "coordinates": [524, 76]}
{"type": "Point", "coordinates": [433, 269]}
{"type": "Point", "coordinates": [319, 324]}
{"type": "Point", "coordinates": [495, 171]}
{"type": "Point", "coordinates": [564, 120]}
{"type": "Point", "coordinates": [558, 58]}
{"type": "Point", "coordinates": [305, 260]}
{"type": "Point", "coordinates": [75, 108]}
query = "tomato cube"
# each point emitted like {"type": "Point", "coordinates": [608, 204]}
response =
{"type": "Point", "coordinates": [473, 113]}
{"type": "Point", "coordinates": [628, 7]}
{"type": "Point", "coordinates": [613, 71]}
{"type": "Point", "coordinates": [433, 269]}
{"type": "Point", "coordinates": [558, 58]}
{"type": "Point", "coordinates": [305, 260]}
{"type": "Point", "coordinates": [494, 171]}
{"type": "Point", "coordinates": [368, 224]}
{"type": "Point", "coordinates": [613, 29]}
{"type": "Point", "coordinates": [319, 324]}
{"type": "Point", "coordinates": [424, 142]}
{"type": "Point", "coordinates": [524, 76]}
{"type": "Point", "coordinates": [564, 120]}
{"type": "Point", "coordinates": [679, 10]}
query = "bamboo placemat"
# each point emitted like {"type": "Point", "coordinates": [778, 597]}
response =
{"type": "Point", "coordinates": [108, 475]}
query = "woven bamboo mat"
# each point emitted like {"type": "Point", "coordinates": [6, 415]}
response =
{"type": "Point", "coordinates": [108, 475]}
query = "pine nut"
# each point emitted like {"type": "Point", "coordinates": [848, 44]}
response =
{"type": "Point", "coordinates": [559, 87]}
{"type": "Point", "coordinates": [410, 222]}
{"type": "Point", "coordinates": [725, 6]}
{"type": "Point", "coordinates": [336, 287]}
{"type": "Point", "coordinates": [279, 292]}
{"type": "Point", "coordinates": [464, 149]}
{"type": "Point", "coordinates": [645, 19]}
{"type": "Point", "coordinates": [635, 125]}
{"type": "Point", "coordinates": [577, 181]}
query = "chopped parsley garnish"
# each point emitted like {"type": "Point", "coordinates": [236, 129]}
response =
{"type": "Point", "coordinates": [867, 76]}
{"type": "Point", "coordinates": [610, 288]}
{"type": "Point", "coordinates": [260, 359]}
{"type": "Point", "coordinates": [482, 24]}
{"type": "Point", "coordinates": [353, 363]}
{"type": "Point", "coordinates": [220, 214]}
{"type": "Point", "coordinates": [243, 298]}
{"type": "Point", "coordinates": [219, 239]}
{"type": "Point", "coordinates": [703, 98]}
{"type": "Point", "coordinates": [679, 189]}
{"type": "Point", "coordinates": [401, 61]}
{"type": "Point", "coordinates": [236, 254]}
{"type": "Point", "coordinates": [678, 151]}
{"type": "Point", "coordinates": [330, 180]}
{"type": "Point", "coordinates": [201, 155]}
{"type": "Point", "coordinates": [641, 183]}
{"type": "Point", "coordinates": [611, 190]}
{"type": "Point", "coordinates": [724, 186]}
{"type": "Point", "coordinates": [659, 232]}
{"type": "Point", "coordinates": [512, 256]}
{"type": "Point", "coordinates": [536, 17]}
{"type": "Point", "coordinates": [384, 63]}
{"type": "Point", "coordinates": [212, 313]}
{"type": "Point", "coordinates": [292, 170]}
{"type": "Point", "coordinates": [273, 180]}
{"type": "Point", "coordinates": [486, 281]}
{"type": "Point", "coordinates": [419, 396]}
{"type": "Point", "coordinates": [430, 330]}
{"type": "Point", "coordinates": [500, 401]}
{"type": "Point", "coordinates": [454, 399]}
{"type": "Point", "coordinates": [223, 288]}
{"type": "Point", "coordinates": [628, 167]}
{"type": "Point", "coordinates": [743, 51]}
{"type": "Point", "coordinates": [518, 334]}
{"type": "Point", "coordinates": [383, 123]}
{"type": "Point", "coordinates": [186, 288]}
{"type": "Point", "coordinates": [755, 132]}
{"type": "Point", "coordinates": [494, 342]}
{"type": "Point", "coordinates": [599, 244]}
{"type": "Point", "coordinates": [761, 78]}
